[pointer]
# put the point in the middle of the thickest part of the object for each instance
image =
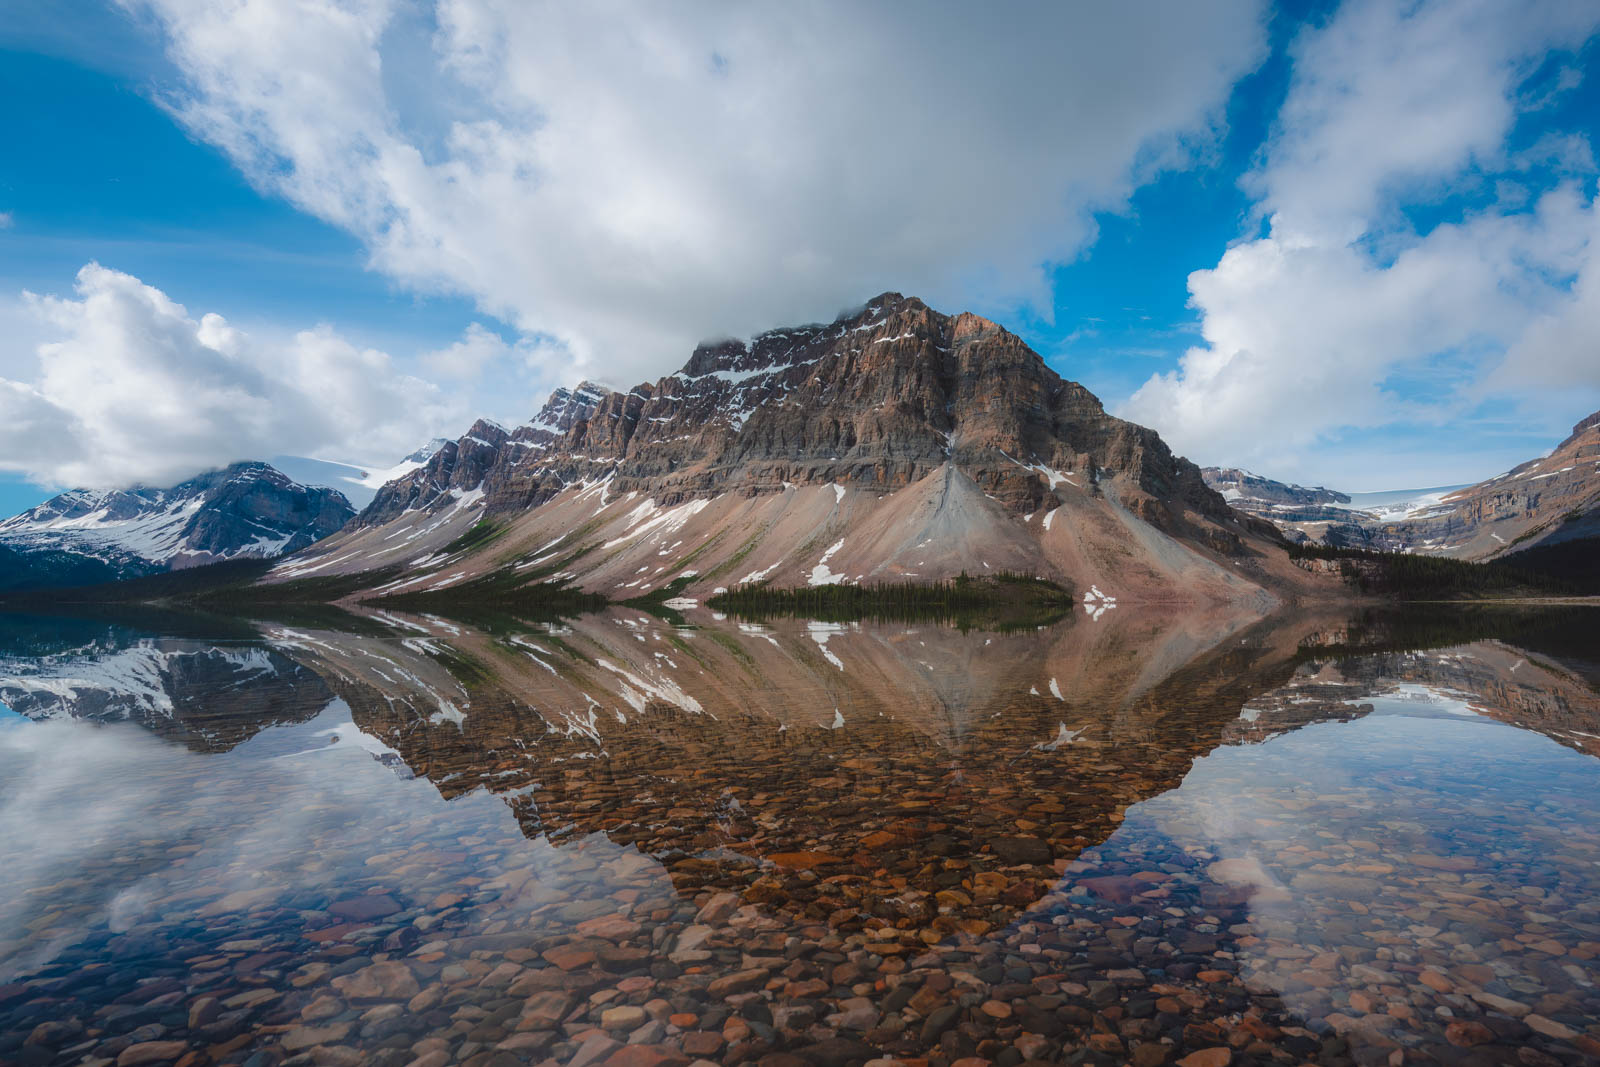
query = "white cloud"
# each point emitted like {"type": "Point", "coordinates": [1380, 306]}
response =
{"type": "Point", "coordinates": [7, 220]}
{"type": "Point", "coordinates": [131, 388]}
{"type": "Point", "coordinates": [481, 352]}
{"type": "Point", "coordinates": [1346, 316]}
{"type": "Point", "coordinates": [631, 178]}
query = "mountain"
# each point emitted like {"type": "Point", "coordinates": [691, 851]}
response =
{"type": "Point", "coordinates": [1301, 513]}
{"type": "Point", "coordinates": [246, 510]}
{"type": "Point", "coordinates": [1316, 514]}
{"type": "Point", "coordinates": [1250, 492]}
{"type": "Point", "coordinates": [896, 443]}
{"type": "Point", "coordinates": [358, 484]}
{"type": "Point", "coordinates": [1543, 503]}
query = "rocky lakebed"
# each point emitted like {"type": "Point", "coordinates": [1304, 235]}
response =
{"type": "Point", "coordinates": [633, 841]}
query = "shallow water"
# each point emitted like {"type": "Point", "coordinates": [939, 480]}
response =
{"type": "Point", "coordinates": [1135, 838]}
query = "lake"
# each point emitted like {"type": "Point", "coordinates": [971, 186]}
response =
{"type": "Point", "coordinates": [1140, 837]}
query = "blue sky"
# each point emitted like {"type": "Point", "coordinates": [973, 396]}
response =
{"type": "Point", "coordinates": [1338, 243]}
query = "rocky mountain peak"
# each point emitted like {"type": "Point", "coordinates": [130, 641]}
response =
{"type": "Point", "coordinates": [427, 451]}
{"type": "Point", "coordinates": [881, 397]}
{"type": "Point", "coordinates": [568, 406]}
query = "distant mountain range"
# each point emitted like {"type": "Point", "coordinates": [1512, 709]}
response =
{"type": "Point", "coordinates": [895, 443]}
{"type": "Point", "coordinates": [1548, 501]}
{"type": "Point", "coordinates": [82, 537]}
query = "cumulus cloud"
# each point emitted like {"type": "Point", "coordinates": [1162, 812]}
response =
{"type": "Point", "coordinates": [131, 388]}
{"type": "Point", "coordinates": [1346, 314]}
{"type": "Point", "coordinates": [7, 220]}
{"type": "Point", "coordinates": [481, 351]}
{"type": "Point", "coordinates": [629, 179]}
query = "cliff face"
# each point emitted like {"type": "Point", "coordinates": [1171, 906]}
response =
{"type": "Point", "coordinates": [888, 422]}
{"type": "Point", "coordinates": [879, 399]}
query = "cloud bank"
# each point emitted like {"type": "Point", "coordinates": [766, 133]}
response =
{"type": "Point", "coordinates": [1350, 312]}
{"type": "Point", "coordinates": [629, 179]}
{"type": "Point", "coordinates": [133, 389]}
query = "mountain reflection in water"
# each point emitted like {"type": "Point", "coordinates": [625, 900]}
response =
{"type": "Point", "coordinates": [616, 840]}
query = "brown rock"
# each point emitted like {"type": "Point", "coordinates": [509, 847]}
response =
{"type": "Point", "coordinates": [1150, 1054]}
{"type": "Point", "coordinates": [717, 909]}
{"type": "Point", "coordinates": [1208, 1057]}
{"type": "Point", "coordinates": [569, 957]}
{"type": "Point", "coordinates": [703, 1043]}
{"type": "Point", "coordinates": [526, 1041]}
{"type": "Point", "coordinates": [151, 1052]}
{"type": "Point", "coordinates": [1465, 1033]}
{"type": "Point", "coordinates": [646, 1056]}
{"type": "Point", "coordinates": [1549, 1027]}
{"type": "Point", "coordinates": [324, 1007]}
{"type": "Point", "coordinates": [610, 927]}
{"type": "Point", "coordinates": [804, 860]}
{"type": "Point", "coordinates": [391, 980]}
{"type": "Point", "coordinates": [738, 982]}
{"type": "Point", "coordinates": [304, 1037]}
{"type": "Point", "coordinates": [1435, 981]}
{"type": "Point", "coordinates": [544, 1011]}
{"type": "Point", "coordinates": [203, 1011]}
{"type": "Point", "coordinates": [1115, 888]}
{"type": "Point", "coordinates": [365, 908]}
{"type": "Point", "coordinates": [623, 1017]}
{"type": "Point", "coordinates": [595, 1047]}
{"type": "Point", "coordinates": [1505, 1005]}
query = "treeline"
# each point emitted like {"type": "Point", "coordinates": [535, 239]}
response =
{"type": "Point", "coordinates": [498, 593]}
{"type": "Point", "coordinates": [1562, 632]}
{"type": "Point", "coordinates": [1575, 562]}
{"type": "Point", "coordinates": [1414, 576]}
{"type": "Point", "coordinates": [1000, 601]}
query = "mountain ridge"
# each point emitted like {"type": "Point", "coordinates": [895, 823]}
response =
{"type": "Point", "coordinates": [896, 443]}
{"type": "Point", "coordinates": [1550, 500]}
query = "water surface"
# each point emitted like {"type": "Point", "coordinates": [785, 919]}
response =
{"type": "Point", "coordinates": [1128, 838]}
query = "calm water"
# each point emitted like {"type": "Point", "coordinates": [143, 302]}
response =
{"type": "Point", "coordinates": [1132, 838]}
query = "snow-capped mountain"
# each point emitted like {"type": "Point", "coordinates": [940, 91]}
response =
{"type": "Point", "coordinates": [1318, 514]}
{"type": "Point", "coordinates": [1241, 487]}
{"type": "Point", "coordinates": [246, 510]}
{"type": "Point", "coordinates": [358, 484]}
{"type": "Point", "coordinates": [1545, 501]}
{"type": "Point", "coordinates": [895, 443]}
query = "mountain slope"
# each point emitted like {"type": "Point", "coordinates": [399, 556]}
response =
{"type": "Point", "coordinates": [245, 510]}
{"type": "Point", "coordinates": [1546, 502]}
{"type": "Point", "coordinates": [895, 443]}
